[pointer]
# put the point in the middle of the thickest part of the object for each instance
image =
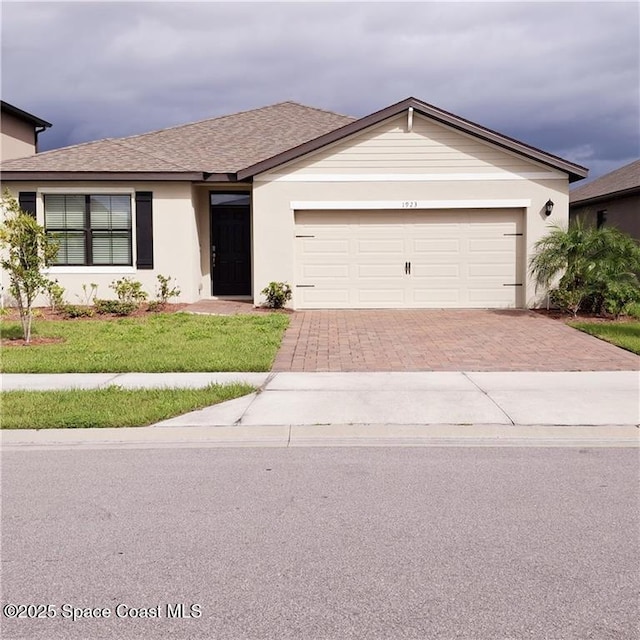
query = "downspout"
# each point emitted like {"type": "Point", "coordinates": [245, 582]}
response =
{"type": "Point", "coordinates": [38, 131]}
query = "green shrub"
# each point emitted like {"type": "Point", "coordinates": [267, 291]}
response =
{"type": "Point", "coordinates": [567, 299]}
{"type": "Point", "coordinates": [633, 310]}
{"type": "Point", "coordinates": [115, 307]}
{"type": "Point", "coordinates": [277, 294]}
{"type": "Point", "coordinates": [55, 294]}
{"type": "Point", "coordinates": [619, 295]}
{"type": "Point", "coordinates": [129, 291]}
{"type": "Point", "coordinates": [155, 306]}
{"type": "Point", "coordinates": [165, 290]}
{"type": "Point", "coordinates": [89, 293]}
{"type": "Point", "coordinates": [75, 311]}
{"type": "Point", "coordinates": [597, 268]}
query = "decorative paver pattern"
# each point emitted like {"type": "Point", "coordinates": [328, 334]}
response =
{"type": "Point", "coordinates": [442, 340]}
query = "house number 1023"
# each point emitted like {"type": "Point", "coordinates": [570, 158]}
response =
{"type": "Point", "coordinates": [409, 204]}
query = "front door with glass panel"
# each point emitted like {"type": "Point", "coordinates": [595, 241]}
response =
{"type": "Point", "coordinates": [230, 244]}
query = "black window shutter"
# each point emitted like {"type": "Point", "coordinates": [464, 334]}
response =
{"type": "Point", "coordinates": [144, 229]}
{"type": "Point", "coordinates": [27, 202]}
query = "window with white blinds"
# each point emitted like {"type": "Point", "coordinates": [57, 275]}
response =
{"type": "Point", "coordinates": [90, 230]}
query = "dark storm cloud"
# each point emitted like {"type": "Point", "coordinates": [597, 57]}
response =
{"type": "Point", "coordinates": [560, 76]}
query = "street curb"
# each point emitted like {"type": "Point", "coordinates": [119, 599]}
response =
{"type": "Point", "coordinates": [350, 435]}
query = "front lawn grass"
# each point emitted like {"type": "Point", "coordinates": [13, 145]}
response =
{"type": "Point", "coordinates": [622, 334]}
{"type": "Point", "coordinates": [157, 343]}
{"type": "Point", "coordinates": [108, 407]}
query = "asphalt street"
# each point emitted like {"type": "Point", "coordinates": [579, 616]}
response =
{"type": "Point", "coordinates": [322, 543]}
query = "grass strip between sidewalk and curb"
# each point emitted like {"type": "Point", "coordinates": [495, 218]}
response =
{"type": "Point", "coordinates": [175, 342]}
{"type": "Point", "coordinates": [622, 334]}
{"type": "Point", "coordinates": [109, 407]}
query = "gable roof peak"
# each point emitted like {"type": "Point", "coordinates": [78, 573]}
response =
{"type": "Point", "coordinates": [574, 171]}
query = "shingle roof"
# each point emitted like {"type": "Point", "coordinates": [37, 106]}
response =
{"type": "Point", "coordinates": [621, 180]}
{"type": "Point", "coordinates": [239, 146]}
{"type": "Point", "coordinates": [103, 155]}
{"type": "Point", "coordinates": [224, 144]}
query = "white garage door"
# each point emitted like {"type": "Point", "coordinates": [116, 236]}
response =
{"type": "Point", "coordinates": [400, 259]}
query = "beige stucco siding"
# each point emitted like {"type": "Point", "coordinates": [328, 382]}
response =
{"type": "Point", "coordinates": [175, 232]}
{"type": "Point", "coordinates": [371, 171]}
{"type": "Point", "coordinates": [18, 138]}
{"type": "Point", "coordinates": [201, 206]}
{"type": "Point", "coordinates": [425, 149]}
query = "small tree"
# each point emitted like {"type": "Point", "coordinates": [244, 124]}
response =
{"type": "Point", "coordinates": [27, 250]}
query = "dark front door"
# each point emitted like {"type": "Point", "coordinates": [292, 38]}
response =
{"type": "Point", "coordinates": [230, 250]}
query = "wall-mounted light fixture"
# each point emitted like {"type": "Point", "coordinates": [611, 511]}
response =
{"type": "Point", "coordinates": [548, 207]}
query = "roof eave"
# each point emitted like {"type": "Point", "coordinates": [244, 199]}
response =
{"type": "Point", "coordinates": [113, 176]}
{"type": "Point", "coordinates": [623, 193]}
{"type": "Point", "coordinates": [25, 115]}
{"type": "Point", "coordinates": [219, 177]}
{"type": "Point", "coordinates": [574, 171]}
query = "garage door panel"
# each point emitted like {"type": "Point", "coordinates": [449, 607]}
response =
{"type": "Point", "coordinates": [494, 271]}
{"type": "Point", "coordinates": [434, 245]}
{"type": "Point", "coordinates": [324, 298]}
{"type": "Point", "coordinates": [324, 271]}
{"type": "Point", "coordinates": [437, 297]}
{"type": "Point", "coordinates": [381, 296]}
{"type": "Point", "coordinates": [457, 259]}
{"type": "Point", "coordinates": [329, 247]}
{"type": "Point", "coordinates": [377, 270]}
{"type": "Point", "coordinates": [488, 245]}
{"type": "Point", "coordinates": [427, 260]}
{"type": "Point", "coordinates": [420, 272]}
{"type": "Point", "coordinates": [495, 297]}
{"type": "Point", "coordinates": [368, 230]}
{"type": "Point", "coordinates": [381, 246]}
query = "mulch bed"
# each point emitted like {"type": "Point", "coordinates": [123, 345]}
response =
{"type": "Point", "coordinates": [35, 341]}
{"type": "Point", "coordinates": [45, 313]}
{"type": "Point", "coordinates": [554, 314]}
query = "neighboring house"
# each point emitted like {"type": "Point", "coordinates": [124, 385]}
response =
{"type": "Point", "coordinates": [408, 207]}
{"type": "Point", "coordinates": [612, 200]}
{"type": "Point", "coordinates": [19, 132]}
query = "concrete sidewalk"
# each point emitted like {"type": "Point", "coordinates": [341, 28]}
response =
{"type": "Point", "coordinates": [510, 398]}
{"type": "Point", "coordinates": [370, 408]}
{"type": "Point", "coordinates": [54, 381]}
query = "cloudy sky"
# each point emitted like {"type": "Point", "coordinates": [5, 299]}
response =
{"type": "Point", "coordinates": [564, 77]}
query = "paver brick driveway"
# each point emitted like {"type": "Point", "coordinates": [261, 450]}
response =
{"type": "Point", "coordinates": [442, 340]}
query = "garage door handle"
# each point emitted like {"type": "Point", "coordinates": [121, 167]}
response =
{"type": "Point", "coordinates": [407, 268]}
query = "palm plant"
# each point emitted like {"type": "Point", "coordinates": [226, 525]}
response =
{"type": "Point", "coordinates": [598, 267]}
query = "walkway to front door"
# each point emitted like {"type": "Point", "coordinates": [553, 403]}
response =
{"type": "Point", "coordinates": [439, 340]}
